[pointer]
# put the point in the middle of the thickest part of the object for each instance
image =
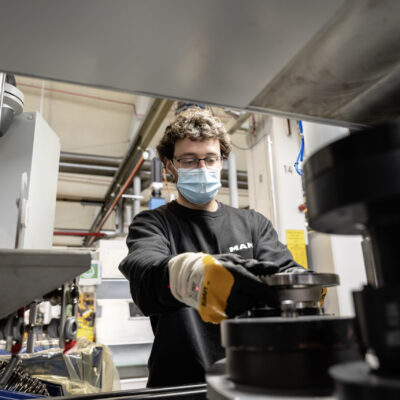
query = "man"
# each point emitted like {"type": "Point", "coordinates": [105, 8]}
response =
{"type": "Point", "coordinates": [195, 261]}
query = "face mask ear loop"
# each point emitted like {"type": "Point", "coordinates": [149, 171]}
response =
{"type": "Point", "coordinates": [172, 163]}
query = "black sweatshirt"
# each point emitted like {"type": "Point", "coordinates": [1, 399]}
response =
{"type": "Point", "coordinates": [185, 346]}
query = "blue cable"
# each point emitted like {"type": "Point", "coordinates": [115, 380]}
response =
{"type": "Point", "coordinates": [301, 152]}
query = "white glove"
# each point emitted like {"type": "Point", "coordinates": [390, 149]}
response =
{"type": "Point", "coordinates": [186, 277]}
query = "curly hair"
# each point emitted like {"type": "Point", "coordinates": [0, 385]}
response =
{"type": "Point", "coordinates": [196, 124]}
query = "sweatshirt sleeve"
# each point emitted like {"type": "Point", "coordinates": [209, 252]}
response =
{"type": "Point", "coordinates": [146, 266]}
{"type": "Point", "coordinates": [269, 248]}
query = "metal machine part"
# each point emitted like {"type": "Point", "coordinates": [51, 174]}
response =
{"type": "Point", "coordinates": [353, 187]}
{"type": "Point", "coordinates": [355, 381]}
{"type": "Point", "coordinates": [303, 289]}
{"type": "Point", "coordinates": [288, 354]}
{"type": "Point", "coordinates": [302, 279]}
{"type": "Point", "coordinates": [12, 104]}
{"type": "Point", "coordinates": [69, 332]}
{"type": "Point", "coordinates": [300, 74]}
{"type": "Point", "coordinates": [66, 327]}
{"type": "Point", "coordinates": [20, 269]}
{"type": "Point", "coordinates": [12, 329]}
{"type": "Point", "coordinates": [220, 387]}
{"type": "Point", "coordinates": [184, 392]}
{"type": "Point", "coordinates": [31, 327]}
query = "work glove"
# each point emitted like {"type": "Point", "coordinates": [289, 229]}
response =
{"type": "Point", "coordinates": [220, 286]}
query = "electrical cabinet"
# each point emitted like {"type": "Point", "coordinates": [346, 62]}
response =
{"type": "Point", "coordinates": [30, 146]}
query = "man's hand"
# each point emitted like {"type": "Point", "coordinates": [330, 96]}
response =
{"type": "Point", "coordinates": [220, 286]}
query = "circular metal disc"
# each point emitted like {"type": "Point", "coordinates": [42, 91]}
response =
{"type": "Point", "coordinates": [13, 98]}
{"type": "Point", "coordinates": [302, 279]}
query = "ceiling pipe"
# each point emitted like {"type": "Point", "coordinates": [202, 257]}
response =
{"type": "Point", "coordinates": [117, 198]}
{"type": "Point", "coordinates": [101, 170]}
{"type": "Point", "coordinates": [156, 115]}
{"type": "Point", "coordinates": [233, 183]}
{"type": "Point", "coordinates": [78, 233]}
{"type": "Point", "coordinates": [132, 160]}
{"type": "Point", "coordinates": [77, 163]}
{"type": "Point", "coordinates": [145, 184]}
{"type": "Point", "coordinates": [87, 169]}
{"type": "Point", "coordinates": [83, 201]}
{"type": "Point", "coordinates": [81, 158]}
{"type": "Point", "coordinates": [144, 175]}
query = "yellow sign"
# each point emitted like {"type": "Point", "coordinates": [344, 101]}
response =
{"type": "Point", "coordinates": [296, 243]}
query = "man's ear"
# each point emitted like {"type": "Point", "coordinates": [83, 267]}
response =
{"type": "Point", "coordinates": [169, 167]}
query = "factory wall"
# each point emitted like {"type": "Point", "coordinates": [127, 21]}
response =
{"type": "Point", "coordinates": [274, 186]}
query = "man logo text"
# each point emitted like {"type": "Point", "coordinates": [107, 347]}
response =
{"type": "Point", "coordinates": [241, 246]}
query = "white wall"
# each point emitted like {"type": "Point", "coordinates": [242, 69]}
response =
{"type": "Point", "coordinates": [317, 136]}
{"type": "Point", "coordinates": [289, 192]}
{"type": "Point", "coordinates": [274, 186]}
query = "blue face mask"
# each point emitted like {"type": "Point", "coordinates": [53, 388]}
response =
{"type": "Point", "coordinates": [199, 185]}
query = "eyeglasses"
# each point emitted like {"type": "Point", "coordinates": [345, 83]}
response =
{"type": "Point", "coordinates": [194, 162]}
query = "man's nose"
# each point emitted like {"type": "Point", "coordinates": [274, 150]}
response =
{"type": "Point", "coordinates": [202, 163]}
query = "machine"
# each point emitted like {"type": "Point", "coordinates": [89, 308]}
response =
{"type": "Point", "coordinates": [285, 351]}
{"type": "Point", "coordinates": [33, 276]}
{"type": "Point", "coordinates": [303, 356]}
{"type": "Point", "coordinates": [11, 101]}
{"type": "Point", "coordinates": [30, 272]}
{"type": "Point", "coordinates": [353, 187]}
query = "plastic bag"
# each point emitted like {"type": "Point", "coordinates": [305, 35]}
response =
{"type": "Point", "coordinates": [89, 369]}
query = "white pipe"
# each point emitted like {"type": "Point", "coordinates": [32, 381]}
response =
{"type": "Point", "coordinates": [142, 106]}
{"type": "Point", "coordinates": [233, 185]}
{"type": "Point", "coordinates": [137, 188]}
{"type": "Point", "coordinates": [2, 81]}
{"type": "Point", "coordinates": [275, 222]}
{"type": "Point", "coordinates": [41, 99]}
{"type": "Point", "coordinates": [127, 217]}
